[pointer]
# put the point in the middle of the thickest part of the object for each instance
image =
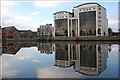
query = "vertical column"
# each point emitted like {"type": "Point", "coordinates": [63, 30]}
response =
{"type": "Point", "coordinates": [78, 25]}
{"type": "Point", "coordinates": [71, 28]}
{"type": "Point", "coordinates": [97, 55]}
{"type": "Point", "coordinates": [96, 22]}
{"type": "Point", "coordinates": [68, 28]}
{"type": "Point", "coordinates": [54, 29]}
{"type": "Point", "coordinates": [69, 52]}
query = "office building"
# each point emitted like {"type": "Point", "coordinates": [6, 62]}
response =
{"type": "Point", "coordinates": [87, 19]}
{"type": "Point", "coordinates": [0, 40]}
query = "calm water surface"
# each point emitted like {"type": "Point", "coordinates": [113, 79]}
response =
{"type": "Point", "coordinates": [60, 60]}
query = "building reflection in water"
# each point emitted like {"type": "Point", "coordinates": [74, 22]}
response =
{"type": "Point", "coordinates": [10, 48]}
{"type": "Point", "coordinates": [0, 48]}
{"type": "Point", "coordinates": [62, 55]}
{"type": "Point", "coordinates": [13, 47]}
{"type": "Point", "coordinates": [45, 48]}
{"type": "Point", "coordinates": [89, 59]}
{"type": "Point", "coordinates": [86, 58]}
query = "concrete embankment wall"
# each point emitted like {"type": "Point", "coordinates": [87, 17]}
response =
{"type": "Point", "coordinates": [19, 40]}
{"type": "Point", "coordinates": [93, 38]}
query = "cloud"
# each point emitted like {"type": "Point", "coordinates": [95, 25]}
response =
{"type": "Point", "coordinates": [113, 21]}
{"type": "Point", "coordinates": [19, 21]}
{"type": "Point", "coordinates": [36, 61]}
{"type": "Point", "coordinates": [55, 72]}
{"type": "Point", "coordinates": [7, 4]}
{"type": "Point", "coordinates": [8, 18]}
{"type": "Point", "coordinates": [7, 70]}
{"type": "Point", "coordinates": [35, 13]}
{"type": "Point", "coordinates": [48, 4]}
{"type": "Point", "coordinates": [24, 57]}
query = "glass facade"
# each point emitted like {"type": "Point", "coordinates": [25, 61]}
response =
{"type": "Point", "coordinates": [74, 24]}
{"type": "Point", "coordinates": [61, 27]}
{"type": "Point", "coordinates": [87, 23]}
{"type": "Point", "coordinates": [61, 52]}
{"type": "Point", "coordinates": [88, 55]}
{"type": "Point", "coordinates": [73, 27]}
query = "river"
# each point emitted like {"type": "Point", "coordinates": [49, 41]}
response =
{"type": "Point", "coordinates": [60, 60]}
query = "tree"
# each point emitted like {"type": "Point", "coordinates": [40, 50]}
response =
{"type": "Point", "coordinates": [104, 33]}
{"type": "Point", "coordinates": [99, 31]}
{"type": "Point", "coordinates": [81, 32]}
{"type": "Point", "coordinates": [42, 34]}
{"type": "Point", "coordinates": [90, 32]}
{"type": "Point", "coordinates": [73, 33]}
{"type": "Point", "coordinates": [109, 31]}
{"type": "Point", "coordinates": [99, 48]}
{"type": "Point", "coordinates": [66, 32]}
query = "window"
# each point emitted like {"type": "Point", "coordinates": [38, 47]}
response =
{"type": "Point", "coordinates": [99, 8]}
{"type": "Point", "coordinates": [89, 9]}
{"type": "Point", "coordinates": [94, 8]}
{"type": "Point", "coordinates": [99, 17]}
{"type": "Point", "coordinates": [80, 10]}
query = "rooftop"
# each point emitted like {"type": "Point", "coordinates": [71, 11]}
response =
{"type": "Point", "coordinates": [87, 4]}
{"type": "Point", "coordinates": [8, 28]}
{"type": "Point", "coordinates": [62, 12]}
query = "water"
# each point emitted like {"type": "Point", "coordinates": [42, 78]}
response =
{"type": "Point", "coordinates": [60, 60]}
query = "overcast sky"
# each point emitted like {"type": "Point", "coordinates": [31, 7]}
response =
{"type": "Point", "coordinates": [30, 14]}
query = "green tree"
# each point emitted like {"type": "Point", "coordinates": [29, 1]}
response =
{"type": "Point", "coordinates": [90, 32]}
{"type": "Point", "coordinates": [94, 32]}
{"type": "Point", "coordinates": [104, 33]}
{"type": "Point", "coordinates": [73, 33]}
{"type": "Point", "coordinates": [99, 48]}
{"type": "Point", "coordinates": [81, 32]}
{"type": "Point", "coordinates": [66, 32]}
{"type": "Point", "coordinates": [109, 31]}
{"type": "Point", "coordinates": [42, 34]}
{"type": "Point", "coordinates": [99, 31]}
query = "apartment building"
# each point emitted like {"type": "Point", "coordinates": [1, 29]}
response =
{"type": "Point", "coordinates": [44, 30]}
